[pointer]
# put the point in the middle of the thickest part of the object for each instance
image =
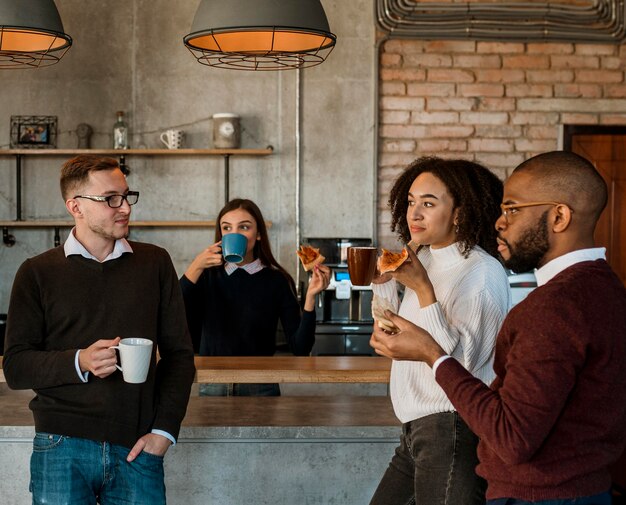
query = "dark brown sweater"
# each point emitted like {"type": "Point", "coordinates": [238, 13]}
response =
{"type": "Point", "coordinates": [59, 305]}
{"type": "Point", "coordinates": [554, 418]}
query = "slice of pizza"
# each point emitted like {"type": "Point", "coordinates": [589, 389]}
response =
{"type": "Point", "coordinates": [309, 256]}
{"type": "Point", "coordinates": [389, 261]}
{"type": "Point", "coordinates": [379, 305]}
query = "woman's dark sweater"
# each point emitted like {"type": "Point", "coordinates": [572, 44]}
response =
{"type": "Point", "coordinates": [238, 314]}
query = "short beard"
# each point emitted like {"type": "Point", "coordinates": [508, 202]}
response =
{"type": "Point", "coordinates": [530, 249]}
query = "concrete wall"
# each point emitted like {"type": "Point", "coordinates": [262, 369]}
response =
{"type": "Point", "coordinates": [497, 103]}
{"type": "Point", "coordinates": [225, 466]}
{"type": "Point", "coordinates": [128, 55]}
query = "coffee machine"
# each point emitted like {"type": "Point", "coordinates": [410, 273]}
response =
{"type": "Point", "coordinates": [343, 311]}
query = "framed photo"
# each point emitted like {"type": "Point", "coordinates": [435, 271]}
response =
{"type": "Point", "coordinates": [33, 132]}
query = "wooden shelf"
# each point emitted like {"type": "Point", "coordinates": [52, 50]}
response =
{"type": "Point", "coordinates": [70, 224]}
{"type": "Point", "coordinates": [9, 240]}
{"type": "Point", "coordinates": [138, 152]}
{"type": "Point", "coordinates": [145, 224]}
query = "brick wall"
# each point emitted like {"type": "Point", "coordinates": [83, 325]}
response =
{"type": "Point", "coordinates": [495, 103]}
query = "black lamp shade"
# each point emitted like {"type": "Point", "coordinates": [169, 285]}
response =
{"type": "Point", "coordinates": [31, 34]}
{"type": "Point", "coordinates": [260, 34]}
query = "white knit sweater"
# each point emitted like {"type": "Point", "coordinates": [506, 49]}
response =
{"type": "Point", "coordinates": [473, 298]}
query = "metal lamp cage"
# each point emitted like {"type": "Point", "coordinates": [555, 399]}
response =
{"type": "Point", "coordinates": [207, 49]}
{"type": "Point", "coordinates": [52, 48]}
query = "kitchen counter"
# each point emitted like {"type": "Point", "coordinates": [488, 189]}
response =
{"type": "Point", "coordinates": [232, 450]}
{"type": "Point", "coordinates": [300, 369]}
{"type": "Point", "coordinates": [284, 369]}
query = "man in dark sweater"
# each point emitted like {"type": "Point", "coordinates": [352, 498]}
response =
{"type": "Point", "coordinates": [98, 437]}
{"type": "Point", "coordinates": [554, 419]}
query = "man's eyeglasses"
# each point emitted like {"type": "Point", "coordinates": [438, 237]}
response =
{"type": "Point", "coordinates": [114, 201]}
{"type": "Point", "coordinates": [511, 209]}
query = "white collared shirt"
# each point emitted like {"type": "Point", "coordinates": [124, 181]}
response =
{"type": "Point", "coordinates": [557, 265]}
{"type": "Point", "coordinates": [252, 268]}
{"type": "Point", "coordinates": [73, 246]}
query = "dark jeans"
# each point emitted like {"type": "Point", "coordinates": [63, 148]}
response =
{"type": "Point", "coordinates": [598, 499]}
{"type": "Point", "coordinates": [239, 390]}
{"type": "Point", "coordinates": [76, 471]}
{"type": "Point", "coordinates": [434, 465]}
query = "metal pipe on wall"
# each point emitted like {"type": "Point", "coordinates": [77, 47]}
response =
{"type": "Point", "coordinates": [377, 55]}
{"type": "Point", "coordinates": [297, 175]}
{"type": "Point", "coordinates": [590, 21]}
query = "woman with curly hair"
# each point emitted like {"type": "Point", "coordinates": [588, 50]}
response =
{"type": "Point", "coordinates": [445, 211]}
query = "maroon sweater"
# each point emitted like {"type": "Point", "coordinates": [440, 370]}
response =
{"type": "Point", "coordinates": [554, 418]}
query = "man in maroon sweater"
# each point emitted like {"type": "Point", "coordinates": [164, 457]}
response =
{"type": "Point", "coordinates": [554, 419]}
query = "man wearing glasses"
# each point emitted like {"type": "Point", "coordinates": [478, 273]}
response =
{"type": "Point", "coordinates": [553, 421]}
{"type": "Point", "coordinates": [97, 437]}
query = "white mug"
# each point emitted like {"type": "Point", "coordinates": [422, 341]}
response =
{"type": "Point", "coordinates": [135, 357]}
{"type": "Point", "coordinates": [173, 139]}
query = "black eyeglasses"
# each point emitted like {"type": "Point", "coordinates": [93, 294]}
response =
{"type": "Point", "coordinates": [509, 210]}
{"type": "Point", "coordinates": [114, 201]}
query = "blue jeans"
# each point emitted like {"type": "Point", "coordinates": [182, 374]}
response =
{"type": "Point", "coordinates": [434, 465]}
{"type": "Point", "coordinates": [239, 390]}
{"type": "Point", "coordinates": [596, 499]}
{"type": "Point", "coordinates": [76, 471]}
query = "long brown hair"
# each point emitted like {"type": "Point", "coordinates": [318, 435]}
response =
{"type": "Point", "coordinates": [262, 249]}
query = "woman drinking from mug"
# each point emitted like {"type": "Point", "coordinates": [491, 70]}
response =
{"type": "Point", "coordinates": [234, 309]}
{"type": "Point", "coordinates": [459, 293]}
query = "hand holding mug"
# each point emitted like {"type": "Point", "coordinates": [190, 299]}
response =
{"type": "Point", "coordinates": [210, 257]}
{"type": "Point", "coordinates": [99, 358]}
{"type": "Point", "coordinates": [207, 258]}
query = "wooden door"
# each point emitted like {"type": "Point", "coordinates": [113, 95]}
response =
{"type": "Point", "coordinates": [608, 154]}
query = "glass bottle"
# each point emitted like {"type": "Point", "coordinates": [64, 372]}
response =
{"type": "Point", "coordinates": [120, 132]}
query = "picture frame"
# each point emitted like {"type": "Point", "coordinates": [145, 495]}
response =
{"type": "Point", "coordinates": [33, 132]}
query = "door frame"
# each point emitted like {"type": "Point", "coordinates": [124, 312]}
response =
{"type": "Point", "coordinates": [592, 129]}
{"type": "Point", "coordinates": [618, 470]}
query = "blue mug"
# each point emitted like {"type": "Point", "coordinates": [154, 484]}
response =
{"type": "Point", "coordinates": [234, 246]}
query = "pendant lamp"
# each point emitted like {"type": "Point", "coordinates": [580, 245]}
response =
{"type": "Point", "coordinates": [31, 34]}
{"type": "Point", "coordinates": [260, 34]}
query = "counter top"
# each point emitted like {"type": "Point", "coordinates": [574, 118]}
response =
{"type": "Point", "coordinates": [247, 411]}
{"type": "Point", "coordinates": [302, 369]}
{"type": "Point", "coordinates": [290, 411]}
{"type": "Point", "coordinates": [282, 369]}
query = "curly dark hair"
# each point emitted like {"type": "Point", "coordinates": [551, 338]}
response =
{"type": "Point", "coordinates": [476, 192]}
